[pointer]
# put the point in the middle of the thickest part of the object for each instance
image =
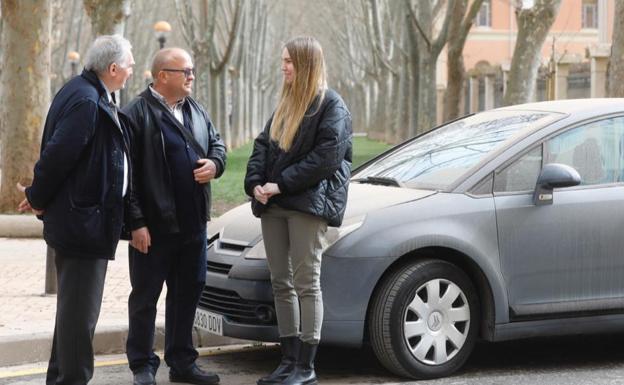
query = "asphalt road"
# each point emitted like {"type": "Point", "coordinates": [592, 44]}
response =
{"type": "Point", "coordinates": [554, 361]}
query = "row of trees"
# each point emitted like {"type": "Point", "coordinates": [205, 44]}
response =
{"type": "Point", "coordinates": [381, 56]}
{"type": "Point", "coordinates": [236, 53]}
{"type": "Point", "coordinates": [389, 50]}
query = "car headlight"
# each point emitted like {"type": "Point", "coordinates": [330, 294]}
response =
{"type": "Point", "coordinates": [332, 236]}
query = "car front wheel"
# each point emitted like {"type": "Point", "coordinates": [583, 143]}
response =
{"type": "Point", "coordinates": [424, 319]}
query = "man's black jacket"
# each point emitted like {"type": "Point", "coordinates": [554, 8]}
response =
{"type": "Point", "coordinates": [313, 176]}
{"type": "Point", "coordinates": [78, 179]}
{"type": "Point", "coordinates": [152, 200]}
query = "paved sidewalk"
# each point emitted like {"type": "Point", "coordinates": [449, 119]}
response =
{"type": "Point", "coordinates": [24, 309]}
{"type": "Point", "coordinates": [27, 315]}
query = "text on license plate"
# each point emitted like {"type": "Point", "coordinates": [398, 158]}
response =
{"type": "Point", "coordinates": [211, 322]}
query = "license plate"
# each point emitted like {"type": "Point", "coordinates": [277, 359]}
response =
{"type": "Point", "coordinates": [208, 321]}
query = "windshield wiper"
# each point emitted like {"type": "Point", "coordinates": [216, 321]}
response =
{"type": "Point", "coordinates": [380, 180]}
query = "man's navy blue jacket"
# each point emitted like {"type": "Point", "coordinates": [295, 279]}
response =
{"type": "Point", "coordinates": [78, 179]}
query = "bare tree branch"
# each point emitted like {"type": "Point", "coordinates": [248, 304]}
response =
{"type": "Point", "coordinates": [231, 39]}
{"type": "Point", "coordinates": [416, 24]}
{"type": "Point", "coordinates": [440, 41]}
{"type": "Point", "coordinates": [184, 13]}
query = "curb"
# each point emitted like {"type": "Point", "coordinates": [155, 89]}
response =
{"type": "Point", "coordinates": [20, 226]}
{"type": "Point", "coordinates": [35, 347]}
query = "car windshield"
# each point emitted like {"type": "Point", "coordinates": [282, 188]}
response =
{"type": "Point", "coordinates": [441, 157]}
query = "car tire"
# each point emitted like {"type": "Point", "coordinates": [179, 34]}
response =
{"type": "Point", "coordinates": [417, 333]}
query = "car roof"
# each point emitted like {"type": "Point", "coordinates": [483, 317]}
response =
{"type": "Point", "coordinates": [573, 106]}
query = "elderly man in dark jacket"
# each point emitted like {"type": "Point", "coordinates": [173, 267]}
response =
{"type": "Point", "coordinates": [78, 189]}
{"type": "Point", "coordinates": [176, 152]}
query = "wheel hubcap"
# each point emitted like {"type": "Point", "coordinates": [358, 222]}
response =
{"type": "Point", "coordinates": [436, 322]}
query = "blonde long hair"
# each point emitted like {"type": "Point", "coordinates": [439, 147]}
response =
{"type": "Point", "coordinates": [309, 81]}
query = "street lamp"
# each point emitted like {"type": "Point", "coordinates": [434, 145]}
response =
{"type": "Point", "coordinates": [162, 29]}
{"type": "Point", "coordinates": [74, 58]}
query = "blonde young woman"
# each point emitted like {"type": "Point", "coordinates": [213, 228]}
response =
{"type": "Point", "coordinates": [298, 176]}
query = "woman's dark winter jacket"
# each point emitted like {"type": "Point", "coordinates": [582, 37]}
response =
{"type": "Point", "coordinates": [153, 200]}
{"type": "Point", "coordinates": [78, 179]}
{"type": "Point", "coordinates": [313, 176]}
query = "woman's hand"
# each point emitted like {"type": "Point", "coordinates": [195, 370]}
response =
{"type": "Point", "coordinates": [263, 193]}
{"type": "Point", "coordinates": [260, 195]}
{"type": "Point", "coordinates": [271, 189]}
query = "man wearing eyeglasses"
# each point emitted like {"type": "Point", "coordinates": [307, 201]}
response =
{"type": "Point", "coordinates": [176, 152]}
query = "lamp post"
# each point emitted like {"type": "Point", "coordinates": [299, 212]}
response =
{"type": "Point", "coordinates": [74, 58]}
{"type": "Point", "coordinates": [162, 29]}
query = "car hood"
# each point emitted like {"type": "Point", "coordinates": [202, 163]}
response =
{"type": "Point", "coordinates": [239, 227]}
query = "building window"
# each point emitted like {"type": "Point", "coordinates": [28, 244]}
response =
{"type": "Point", "coordinates": [484, 17]}
{"type": "Point", "coordinates": [590, 14]}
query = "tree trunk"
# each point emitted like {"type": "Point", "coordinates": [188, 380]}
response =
{"type": "Point", "coordinates": [404, 101]}
{"type": "Point", "coordinates": [426, 71]}
{"type": "Point", "coordinates": [377, 120]}
{"type": "Point", "coordinates": [533, 27]}
{"type": "Point", "coordinates": [616, 62]}
{"type": "Point", "coordinates": [414, 70]}
{"type": "Point", "coordinates": [458, 32]}
{"type": "Point", "coordinates": [107, 16]}
{"type": "Point", "coordinates": [215, 85]}
{"type": "Point", "coordinates": [365, 86]}
{"type": "Point", "coordinates": [25, 92]}
{"type": "Point", "coordinates": [429, 47]}
{"type": "Point", "coordinates": [202, 83]}
{"type": "Point", "coordinates": [426, 93]}
{"type": "Point", "coordinates": [393, 110]}
{"type": "Point", "coordinates": [224, 109]}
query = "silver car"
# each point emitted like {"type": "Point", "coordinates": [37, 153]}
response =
{"type": "Point", "coordinates": [504, 224]}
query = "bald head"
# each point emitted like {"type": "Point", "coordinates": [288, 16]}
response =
{"type": "Point", "coordinates": [166, 57]}
{"type": "Point", "coordinates": [173, 74]}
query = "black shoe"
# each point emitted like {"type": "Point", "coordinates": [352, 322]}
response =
{"type": "Point", "coordinates": [303, 373]}
{"type": "Point", "coordinates": [193, 375]}
{"type": "Point", "coordinates": [144, 376]}
{"type": "Point", "coordinates": [290, 351]}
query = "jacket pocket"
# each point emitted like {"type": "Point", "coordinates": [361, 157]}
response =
{"type": "Point", "coordinates": [86, 228]}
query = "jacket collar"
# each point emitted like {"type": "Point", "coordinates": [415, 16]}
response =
{"type": "Point", "coordinates": [92, 78]}
{"type": "Point", "coordinates": [103, 101]}
{"type": "Point", "coordinates": [159, 109]}
{"type": "Point", "coordinates": [149, 95]}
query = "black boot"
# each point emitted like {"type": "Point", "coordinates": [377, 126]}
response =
{"type": "Point", "coordinates": [303, 374]}
{"type": "Point", "coordinates": [290, 351]}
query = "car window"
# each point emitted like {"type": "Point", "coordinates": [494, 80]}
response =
{"type": "Point", "coordinates": [595, 150]}
{"type": "Point", "coordinates": [438, 159]}
{"type": "Point", "coordinates": [521, 175]}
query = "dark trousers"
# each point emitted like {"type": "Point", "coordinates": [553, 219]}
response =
{"type": "Point", "coordinates": [180, 261]}
{"type": "Point", "coordinates": [78, 301]}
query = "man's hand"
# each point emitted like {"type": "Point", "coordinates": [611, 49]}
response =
{"type": "Point", "coordinates": [141, 239]}
{"type": "Point", "coordinates": [205, 172]}
{"type": "Point", "coordinates": [260, 195]}
{"type": "Point", "coordinates": [25, 205]}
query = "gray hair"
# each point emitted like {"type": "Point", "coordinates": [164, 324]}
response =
{"type": "Point", "coordinates": [106, 50]}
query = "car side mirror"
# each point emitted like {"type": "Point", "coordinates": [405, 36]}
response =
{"type": "Point", "coordinates": [554, 175]}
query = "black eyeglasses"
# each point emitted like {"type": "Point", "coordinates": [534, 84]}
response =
{"type": "Point", "coordinates": [187, 71]}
